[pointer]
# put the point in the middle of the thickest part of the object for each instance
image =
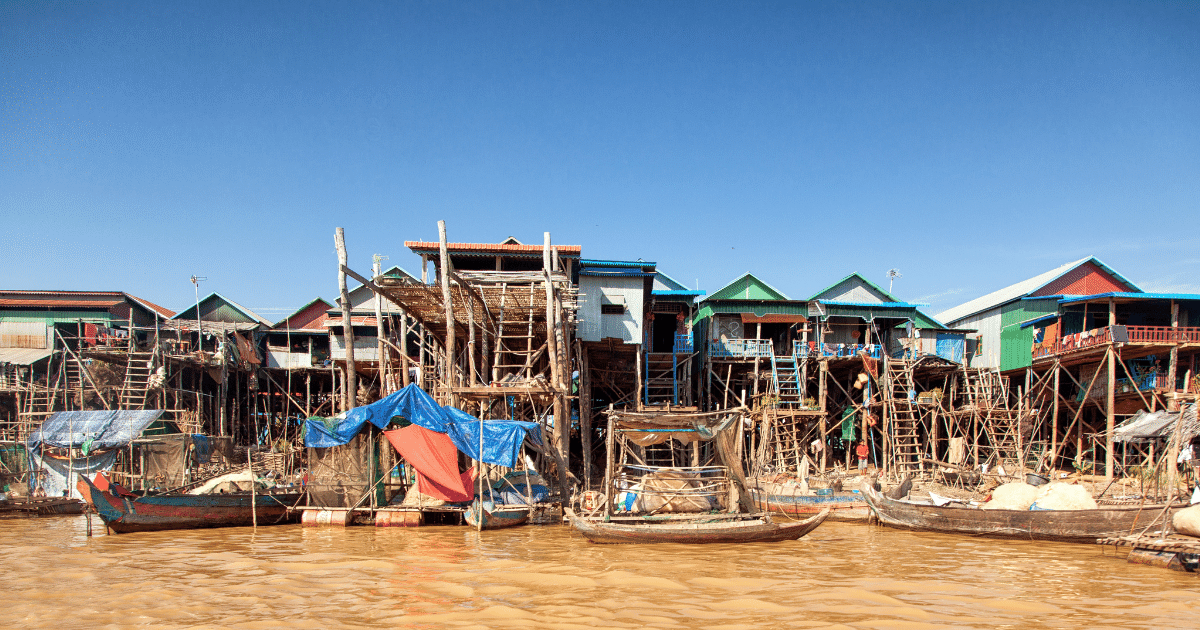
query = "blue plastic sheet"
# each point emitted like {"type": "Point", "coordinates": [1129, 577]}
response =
{"type": "Point", "coordinates": [96, 429]}
{"type": "Point", "coordinates": [502, 438]}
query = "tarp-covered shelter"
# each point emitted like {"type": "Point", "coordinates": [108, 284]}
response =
{"type": "Point", "coordinates": [73, 443]}
{"type": "Point", "coordinates": [1159, 425]}
{"type": "Point", "coordinates": [431, 451]}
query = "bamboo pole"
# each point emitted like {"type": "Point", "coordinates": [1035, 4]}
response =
{"type": "Point", "coordinates": [350, 393]}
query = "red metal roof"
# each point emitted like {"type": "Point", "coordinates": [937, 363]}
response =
{"type": "Point", "coordinates": [490, 248]}
{"type": "Point", "coordinates": [165, 312]}
{"type": "Point", "coordinates": [83, 299]}
{"type": "Point", "coordinates": [78, 303]}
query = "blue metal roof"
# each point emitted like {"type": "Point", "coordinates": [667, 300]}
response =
{"type": "Point", "coordinates": [1037, 320]}
{"type": "Point", "coordinates": [615, 273]}
{"type": "Point", "coordinates": [589, 262]}
{"type": "Point", "coordinates": [1128, 295]}
{"type": "Point", "coordinates": [678, 292]}
{"type": "Point", "coordinates": [872, 304]}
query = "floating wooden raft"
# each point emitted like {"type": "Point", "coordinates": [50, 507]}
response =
{"type": "Point", "coordinates": [1176, 544]}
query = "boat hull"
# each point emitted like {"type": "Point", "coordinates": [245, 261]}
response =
{"type": "Point", "coordinates": [124, 514]}
{"type": "Point", "coordinates": [497, 518]}
{"type": "Point", "coordinates": [732, 529]}
{"type": "Point", "coordinates": [842, 506]}
{"type": "Point", "coordinates": [1083, 526]}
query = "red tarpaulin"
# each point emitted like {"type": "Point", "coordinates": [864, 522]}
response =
{"type": "Point", "coordinates": [436, 460]}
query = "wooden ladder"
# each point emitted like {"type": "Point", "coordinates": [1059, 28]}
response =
{"type": "Point", "coordinates": [905, 417]}
{"type": "Point", "coordinates": [138, 368]}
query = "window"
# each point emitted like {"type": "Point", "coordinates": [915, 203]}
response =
{"type": "Point", "coordinates": [612, 309]}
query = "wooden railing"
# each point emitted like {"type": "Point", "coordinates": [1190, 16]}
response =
{"type": "Point", "coordinates": [1157, 335]}
{"type": "Point", "coordinates": [1163, 334]}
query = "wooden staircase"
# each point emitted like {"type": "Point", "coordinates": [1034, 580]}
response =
{"type": "Point", "coordinates": [786, 379]}
{"type": "Point", "coordinates": [662, 384]}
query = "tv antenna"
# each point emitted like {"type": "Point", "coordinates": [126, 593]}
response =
{"type": "Point", "coordinates": [196, 280]}
{"type": "Point", "coordinates": [892, 274]}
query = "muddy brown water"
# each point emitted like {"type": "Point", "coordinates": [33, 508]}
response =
{"type": "Point", "coordinates": [843, 575]}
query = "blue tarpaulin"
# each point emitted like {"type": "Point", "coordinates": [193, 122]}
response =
{"type": "Point", "coordinates": [92, 429]}
{"type": "Point", "coordinates": [502, 438]}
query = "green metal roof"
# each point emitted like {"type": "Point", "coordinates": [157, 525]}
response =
{"type": "Point", "coordinates": [747, 287]}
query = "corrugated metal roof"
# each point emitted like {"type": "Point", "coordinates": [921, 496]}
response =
{"type": "Point", "coordinates": [678, 292]}
{"type": "Point", "coordinates": [750, 279]}
{"type": "Point", "coordinates": [490, 248]}
{"type": "Point", "coordinates": [1130, 296]}
{"type": "Point", "coordinates": [24, 356]}
{"type": "Point", "coordinates": [589, 262]}
{"type": "Point", "coordinates": [1018, 290]}
{"type": "Point", "coordinates": [86, 299]}
{"type": "Point", "coordinates": [1037, 320]}
{"type": "Point", "coordinates": [78, 303]}
{"type": "Point", "coordinates": [615, 273]}
{"type": "Point", "coordinates": [184, 314]}
{"type": "Point", "coordinates": [872, 304]}
{"type": "Point", "coordinates": [862, 279]}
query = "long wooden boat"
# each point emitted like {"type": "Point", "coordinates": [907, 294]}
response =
{"type": "Point", "coordinates": [1086, 526]}
{"type": "Point", "coordinates": [40, 506]}
{"type": "Point", "coordinates": [716, 528]}
{"type": "Point", "coordinates": [842, 506]}
{"type": "Point", "coordinates": [496, 516]}
{"type": "Point", "coordinates": [124, 513]}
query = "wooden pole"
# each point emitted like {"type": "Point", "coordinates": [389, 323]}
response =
{"type": "Point", "coordinates": [350, 393]}
{"type": "Point", "coordinates": [448, 305]}
{"type": "Point", "coordinates": [822, 398]}
{"type": "Point", "coordinates": [404, 347]}
{"type": "Point", "coordinates": [1173, 363]}
{"type": "Point", "coordinates": [585, 413]}
{"type": "Point", "coordinates": [610, 444]}
{"type": "Point", "coordinates": [1054, 419]}
{"type": "Point", "coordinates": [380, 352]}
{"type": "Point", "coordinates": [253, 503]}
{"type": "Point", "coordinates": [561, 421]}
{"type": "Point", "coordinates": [474, 379]}
{"type": "Point", "coordinates": [1111, 395]}
{"type": "Point", "coordinates": [223, 414]}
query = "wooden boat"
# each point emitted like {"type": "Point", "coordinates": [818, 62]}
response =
{"type": "Point", "coordinates": [40, 506]}
{"type": "Point", "coordinates": [1085, 526]}
{"type": "Point", "coordinates": [496, 516]}
{"type": "Point", "coordinates": [125, 512]}
{"type": "Point", "coordinates": [708, 528]}
{"type": "Point", "coordinates": [842, 506]}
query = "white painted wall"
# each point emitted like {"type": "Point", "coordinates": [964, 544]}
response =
{"type": "Point", "coordinates": [988, 325]}
{"type": "Point", "coordinates": [595, 291]}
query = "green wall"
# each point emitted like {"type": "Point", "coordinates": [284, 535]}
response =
{"type": "Point", "coordinates": [1016, 343]}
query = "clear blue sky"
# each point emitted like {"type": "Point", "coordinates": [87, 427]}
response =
{"type": "Point", "coordinates": [969, 144]}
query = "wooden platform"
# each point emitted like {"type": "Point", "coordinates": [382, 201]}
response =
{"type": "Point", "coordinates": [1174, 543]}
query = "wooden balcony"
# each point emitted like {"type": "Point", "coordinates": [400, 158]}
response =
{"type": "Point", "coordinates": [1132, 335]}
